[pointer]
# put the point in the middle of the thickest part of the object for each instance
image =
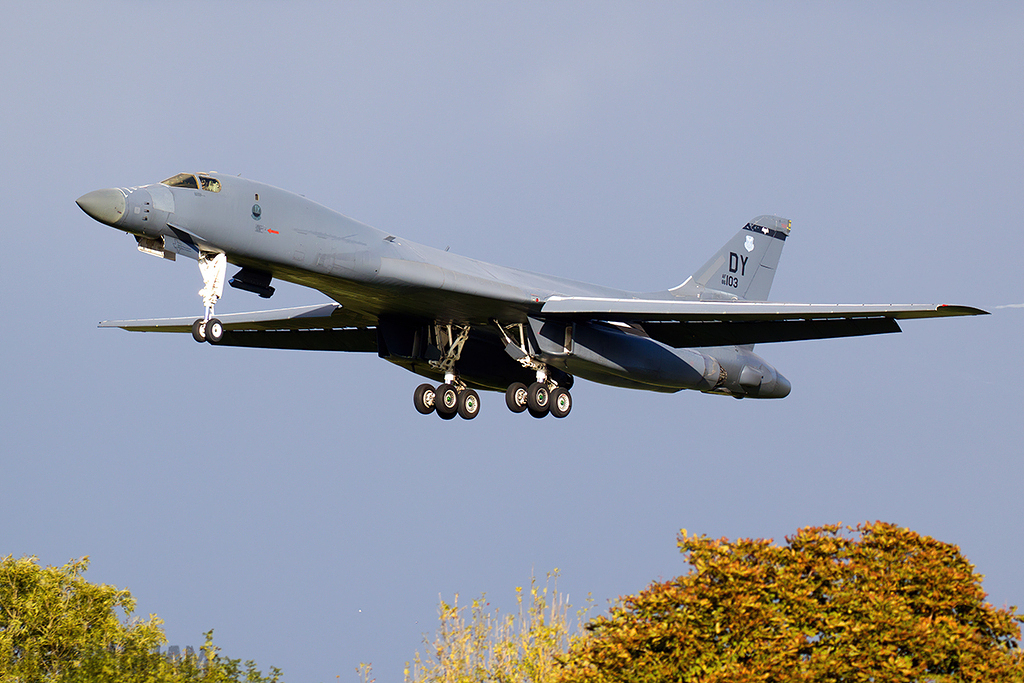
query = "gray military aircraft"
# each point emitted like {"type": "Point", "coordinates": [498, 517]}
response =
{"type": "Point", "coordinates": [468, 324]}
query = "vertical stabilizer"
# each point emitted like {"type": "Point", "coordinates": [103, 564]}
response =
{"type": "Point", "coordinates": [744, 268]}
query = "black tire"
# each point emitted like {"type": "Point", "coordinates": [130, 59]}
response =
{"type": "Point", "coordinates": [515, 397]}
{"type": "Point", "coordinates": [468, 404]}
{"type": "Point", "coordinates": [199, 331]}
{"type": "Point", "coordinates": [538, 413]}
{"type": "Point", "coordinates": [561, 402]}
{"type": "Point", "coordinates": [423, 399]}
{"type": "Point", "coordinates": [214, 331]}
{"type": "Point", "coordinates": [538, 398]}
{"type": "Point", "coordinates": [446, 401]}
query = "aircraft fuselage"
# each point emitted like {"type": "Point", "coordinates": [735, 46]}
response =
{"type": "Point", "coordinates": [470, 323]}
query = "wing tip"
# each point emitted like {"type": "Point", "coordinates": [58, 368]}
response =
{"type": "Point", "coordinates": [955, 309]}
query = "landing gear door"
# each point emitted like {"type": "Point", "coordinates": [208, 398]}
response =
{"type": "Point", "coordinates": [551, 338]}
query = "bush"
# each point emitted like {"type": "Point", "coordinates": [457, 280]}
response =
{"type": "Point", "coordinates": [488, 646]}
{"type": "Point", "coordinates": [56, 627]}
{"type": "Point", "coordinates": [871, 603]}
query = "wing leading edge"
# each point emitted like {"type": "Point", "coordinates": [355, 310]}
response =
{"type": "Point", "coordinates": [719, 323]}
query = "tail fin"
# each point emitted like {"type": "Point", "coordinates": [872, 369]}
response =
{"type": "Point", "coordinates": [744, 268]}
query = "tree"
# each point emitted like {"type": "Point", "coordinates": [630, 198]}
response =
{"type": "Point", "coordinates": [870, 603]}
{"type": "Point", "coordinates": [488, 646]}
{"type": "Point", "coordinates": [57, 627]}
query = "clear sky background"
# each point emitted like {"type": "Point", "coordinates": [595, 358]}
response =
{"type": "Point", "coordinates": [296, 503]}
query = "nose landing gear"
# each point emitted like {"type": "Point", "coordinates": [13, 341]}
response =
{"type": "Point", "coordinates": [213, 267]}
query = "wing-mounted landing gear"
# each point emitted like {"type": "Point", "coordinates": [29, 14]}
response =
{"type": "Point", "coordinates": [452, 397]}
{"type": "Point", "coordinates": [213, 267]}
{"type": "Point", "coordinates": [544, 396]}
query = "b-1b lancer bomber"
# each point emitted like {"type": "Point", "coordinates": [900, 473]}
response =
{"type": "Point", "coordinates": [469, 325]}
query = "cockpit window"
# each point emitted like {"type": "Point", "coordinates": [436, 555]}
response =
{"type": "Point", "coordinates": [209, 184]}
{"type": "Point", "coordinates": [182, 180]}
{"type": "Point", "coordinates": [188, 180]}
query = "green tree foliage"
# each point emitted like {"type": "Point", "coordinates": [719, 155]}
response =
{"type": "Point", "coordinates": [489, 646]}
{"type": "Point", "coordinates": [871, 603]}
{"type": "Point", "coordinates": [56, 627]}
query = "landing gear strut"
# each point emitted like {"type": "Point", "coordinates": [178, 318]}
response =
{"type": "Point", "coordinates": [543, 396]}
{"type": "Point", "coordinates": [213, 267]}
{"type": "Point", "coordinates": [453, 397]}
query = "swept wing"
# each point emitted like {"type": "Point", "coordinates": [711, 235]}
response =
{"type": "Point", "coordinates": [716, 323]}
{"type": "Point", "coordinates": [324, 327]}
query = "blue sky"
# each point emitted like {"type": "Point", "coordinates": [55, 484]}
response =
{"type": "Point", "coordinates": [297, 504]}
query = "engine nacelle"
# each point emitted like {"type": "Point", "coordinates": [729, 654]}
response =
{"type": "Point", "coordinates": [624, 357]}
{"type": "Point", "coordinates": [609, 354]}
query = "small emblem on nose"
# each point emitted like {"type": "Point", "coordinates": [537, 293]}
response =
{"type": "Point", "coordinates": [256, 211]}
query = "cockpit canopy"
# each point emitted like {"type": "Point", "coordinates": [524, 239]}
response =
{"type": "Point", "coordinates": [189, 180]}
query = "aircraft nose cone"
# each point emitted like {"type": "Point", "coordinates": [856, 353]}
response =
{"type": "Point", "coordinates": [106, 206]}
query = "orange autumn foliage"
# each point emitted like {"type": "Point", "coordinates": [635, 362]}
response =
{"type": "Point", "coordinates": [870, 603]}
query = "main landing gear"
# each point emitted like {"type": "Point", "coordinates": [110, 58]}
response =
{"type": "Point", "coordinates": [213, 267]}
{"type": "Point", "coordinates": [543, 396]}
{"type": "Point", "coordinates": [539, 399]}
{"type": "Point", "coordinates": [447, 401]}
{"type": "Point", "coordinates": [453, 397]}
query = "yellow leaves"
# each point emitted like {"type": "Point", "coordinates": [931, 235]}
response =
{"type": "Point", "coordinates": [51, 615]}
{"type": "Point", "coordinates": [365, 672]}
{"type": "Point", "coordinates": [477, 644]}
{"type": "Point", "coordinates": [871, 602]}
{"type": "Point", "coordinates": [57, 627]}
